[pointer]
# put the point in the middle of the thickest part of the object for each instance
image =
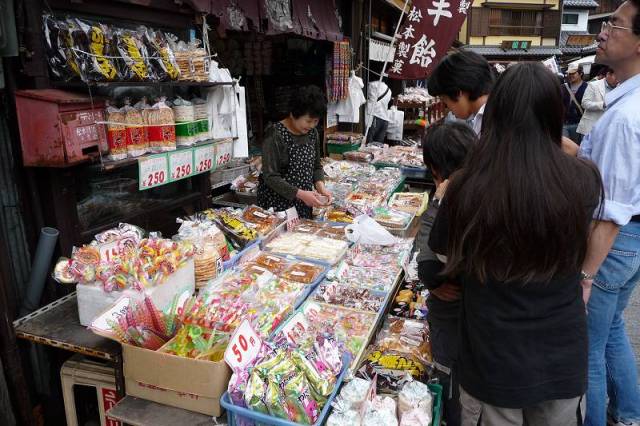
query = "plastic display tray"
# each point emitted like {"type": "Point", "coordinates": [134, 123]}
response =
{"type": "Point", "coordinates": [233, 411]}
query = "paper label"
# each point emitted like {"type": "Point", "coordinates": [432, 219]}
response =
{"type": "Point", "coordinates": [153, 171]}
{"type": "Point", "coordinates": [181, 164]}
{"type": "Point", "coordinates": [114, 313]}
{"type": "Point", "coordinates": [295, 328]}
{"type": "Point", "coordinates": [243, 348]}
{"type": "Point", "coordinates": [204, 158]}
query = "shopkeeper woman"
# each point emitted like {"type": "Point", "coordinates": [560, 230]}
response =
{"type": "Point", "coordinates": [292, 175]}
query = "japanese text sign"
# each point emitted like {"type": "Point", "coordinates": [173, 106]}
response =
{"type": "Point", "coordinates": [243, 348]}
{"type": "Point", "coordinates": [429, 29]}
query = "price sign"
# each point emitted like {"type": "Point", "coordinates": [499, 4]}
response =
{"type": "Point", "coordinates": [153, 171]}
{"type": "Point", "coordinates": [100, 325]}
{"type": "Point", "coordinates": [295, 328]}
{"type": "Point", "coordinates": [204, 158]}
{"type": "Point", "coordinates": [108, 250]}
{"type": "Point", "coordinates": [181, 164]}
{"type": "Point", "coordinates": [243, 347]}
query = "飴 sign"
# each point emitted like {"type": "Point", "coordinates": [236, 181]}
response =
{"type": "Point", "coordinates": [429, 29]}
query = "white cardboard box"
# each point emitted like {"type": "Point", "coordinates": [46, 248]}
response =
{"type": "Point", "coordinates": [93, 300]}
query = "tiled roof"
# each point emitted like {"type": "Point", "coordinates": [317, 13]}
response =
{"type": "Point", "coordinates": [583, 4]}
{"type": "Point", "coordinates": [498, 51]}
{"type": "Point", "coordinates": [568, 49]}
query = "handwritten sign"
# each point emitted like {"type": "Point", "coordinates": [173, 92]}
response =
{"type": "Point", "coordinates": [204, 158]}
{"type": "Point", "coordinates": [181, 164]}
{"type": "Point", "coordinates": [243, 347]}
{"type": "Point", "coordinates": [153, 171]}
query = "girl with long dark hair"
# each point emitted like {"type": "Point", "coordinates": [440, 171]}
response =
{"type": "Point", "coordinates": [514, 227]}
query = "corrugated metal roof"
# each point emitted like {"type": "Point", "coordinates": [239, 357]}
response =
{"type": "Point", "coordinates": [568, 49]}
{"type": "Point", "coordinates": [498, 51]}
{"type": "Point", "coordinates": [584, 4]}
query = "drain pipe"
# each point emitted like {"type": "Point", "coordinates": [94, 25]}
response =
{"type": "Point", "coordinates": [39, 269]}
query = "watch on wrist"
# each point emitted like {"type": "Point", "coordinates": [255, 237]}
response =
{"type": "Point", "coordinates": [584, 276]}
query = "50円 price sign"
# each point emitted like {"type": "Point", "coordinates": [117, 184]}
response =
{"type": "Point", "coordinates": [181, 164]}
{"type": "Point", "coordinates": [153, 171]}
{"type": "Point", "coordinates": [243, 348]}
{"type": "Point", "coordinates": [204, 158]}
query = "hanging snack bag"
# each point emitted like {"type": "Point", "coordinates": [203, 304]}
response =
{"type": "Point", "coordinates": [116, 133]}
{"type": "Point", "coordinates": [137, 144]}
{"type": "Point", "coordinates": [71, 35]}
{"type": "Point", "coordinates": [161, 129]}
{"type": "Point", "coordinates": [182, 55]}
{"type": "Point", "coordinates": [199, 61]}
{"type": "Point", "coordinates": [55, 47]}
{"type": "Point", "coordinates": [96, 63]}
{"type": "Point", "coordinates": [186, 126]}
{"type": "Point", "coordinates": [132, 64]}
{"type": "Point", "coordinates": [201, 116]}
{"type": "Point", "coordinates": [161, 58]}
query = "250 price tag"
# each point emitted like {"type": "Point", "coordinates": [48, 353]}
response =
{"type": "Point", "coordinates": [181, 164]}
{"type": "Point", "coordinates": [204, 158]}
{"type": "Point", "coordinates": [152, 171]}
{"type": "Point", "coordinates": [243, 347]}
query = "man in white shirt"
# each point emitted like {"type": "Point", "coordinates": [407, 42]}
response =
{"type": "Point", "coordinates": [593, 100]}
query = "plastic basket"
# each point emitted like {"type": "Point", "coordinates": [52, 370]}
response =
{"type": "Point", "coordinates": [341, 148]}
{"type": "Point", "coordinates": [414, 172]}
{"type": "Point", "coordinates": [265, 419]}
{"type": "Point", "coordinates": [436, 389]}
{"type": "Point", "coordinates": [227, 175]}
{"type": "Point", "coordinates": [233, 261]}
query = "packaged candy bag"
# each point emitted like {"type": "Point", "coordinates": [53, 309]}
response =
{"type": "Point", "coordinates": [160, 57]}
{"type": "Point", "coordinates": [321, 384]}
{"type": "Point", "coordinates": [415, 396]}
{"type": "Point", "coordinates": [132, 64]}
{"type": "Point", "coordinates": [61, 60]}
{"type": "Point", "coordinates": [255, 394]}
{"type": "Point", "coordinates": [116, 132]}
{"type": "Point", "coordinates": [161, 130]}
{"type": "Point", "coordinates": [301, 406]}
{"type": "Point", "coordinates": [137, 143]}
{"type": "Point", "coordinates": [96, 62]}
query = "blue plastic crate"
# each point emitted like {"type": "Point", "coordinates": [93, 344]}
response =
{"type": "Point", "coordinates": [265, 419]}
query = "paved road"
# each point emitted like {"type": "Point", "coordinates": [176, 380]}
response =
{"type": "Point", "coordinates": [632, 321]}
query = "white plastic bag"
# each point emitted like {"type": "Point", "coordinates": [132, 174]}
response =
{"type": "Point", "coordinates": [396, 124]}
{"type": "Point", "coordinates": [365, 230]}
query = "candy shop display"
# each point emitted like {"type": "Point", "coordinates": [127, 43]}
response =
{"type": "Point", "coordinates": [406, 336]}
{"type": "Point", "coordinates": [321, 229]}
{"type": "Point", "coordinates": [287, 382]}
{"type": "Point", "coordinates": [210, 246]}
{"type": "Point", "coordinates": [409, 202]}
{"type": "Point", "coordinates": [238, 232]}
{"type": "Point", "coordinates": [194, 341]}
{"type": "Point", "coordinates": [263, 220]}
{"type": "Point", "coordinates": [350, 327]}
{"type": "Point", "coordinates": [411, 301]}
{"type": "Point", "coordinates": [359, 404]}
{"type": "Point", "coordinates": [161, 130]}
{"type": "Point", "coordinates": [405, 156]}
{"type": "Point", "coordinates": [348, 296]}
{"type": "Point", "coordinates": [144, 265]}
{"type": "Point", "coordinates": [393, 368]}
{"type": "Point", "coordinates": [288, 269]}
{"type": "Point", "coordinates": [143, 324]}
{"type": "Point", "coordinates": [308, 246]}
{"type": "Point", "coordinates": [392, 219]}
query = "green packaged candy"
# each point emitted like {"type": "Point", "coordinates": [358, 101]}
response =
{"type": "Point", "coordinates": [254, 395]}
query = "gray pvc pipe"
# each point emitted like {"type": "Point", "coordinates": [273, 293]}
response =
{"type": "Point", "coordinates": [39, 269]}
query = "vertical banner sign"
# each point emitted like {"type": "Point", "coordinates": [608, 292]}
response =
{"type": "Point", "coordinates": [428, 31]}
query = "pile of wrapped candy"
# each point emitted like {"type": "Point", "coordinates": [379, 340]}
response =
{"type": "Point", "coordinates": [243, 226]}
{"type": "Point", "coordinates": [309, 246]}
{"type": "Point", "coordinates": [129, 262]}
{"type": "Point", "coordinates": [359, 405]}
{"type": "Point", "coordinates": [405, 156]}
{"type": "Point", "coordinates": [357, 188]}
{"type": "Point", "coordinates": [291, 383]}
{"type": "Point", "coordinates": [143, 324]}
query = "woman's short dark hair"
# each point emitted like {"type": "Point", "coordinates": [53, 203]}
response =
{"type": "Point", "coordinates": [445, 147]}
{"type": "Point", "coordinates": [462, 71]}
{"type": "Point", "coordinates": [520, 208]}
{"type": "Point", "coordinates": [308, 100]}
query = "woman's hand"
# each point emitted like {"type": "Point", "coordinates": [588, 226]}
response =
{"type": "Point", "coordinates": [310, 198]}
{"type": "Point", "coordinates": [322, 190]}
{"type": "Point", "coordinates": [448, 292]}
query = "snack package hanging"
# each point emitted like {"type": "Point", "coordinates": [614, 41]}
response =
{"type": "Point", "coordinates": [116, 132]}
{"type": "Point", "coordinates": [71, 37]}
{"type": "Point", "coordinates": [132, 64]}
{"type": "Point", "coordinates": [97, 64]}
{"type": "Point", "coordinates": [60, 64]}
{"type": "Point", "coordinates": [182, 55]}
{"type": "Point", "coordinates": [161, 129]}
{"type": "Point", "coordinates": [160, 57]}
{"type": "Point", "coordinates": [137, 143]}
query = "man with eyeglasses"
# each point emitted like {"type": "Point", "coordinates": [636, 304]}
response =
{"type": "Point", "coordinates": [611, 268]}
{"type": "Point", "coordinates": [574, 89]}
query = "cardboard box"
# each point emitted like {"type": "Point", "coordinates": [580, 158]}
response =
{"type": "Point", "coordinates": [179, 382]}
{"type": "Point", "coordinates": [93, 300]}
